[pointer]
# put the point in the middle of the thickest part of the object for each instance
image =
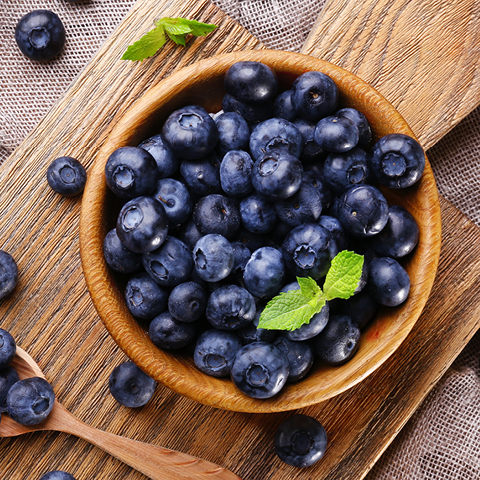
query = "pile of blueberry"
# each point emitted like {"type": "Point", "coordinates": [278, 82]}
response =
{"type": "Point", "coordinates": [223, 211]}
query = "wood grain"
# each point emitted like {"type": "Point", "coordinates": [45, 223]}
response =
{"type": "Point", "coordinates": [422, 55]}
{"type": "Point", "coordinates": [52, 317]}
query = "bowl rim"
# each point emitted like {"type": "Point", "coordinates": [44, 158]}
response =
{"type": "Point", "coordinates": [188, 381]}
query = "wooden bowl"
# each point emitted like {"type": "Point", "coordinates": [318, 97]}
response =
{"type": "Point", "coordinates": [202, 84]}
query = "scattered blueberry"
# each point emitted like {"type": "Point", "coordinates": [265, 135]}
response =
{"type": "Point", "coordinates": [233, 132]}
{"type": "Point", "coordinates": [299, 356]}
{"type": "Point", "coordinates": [8, 274]}
{"type": "Point", "coordinates": [282, 106]}
{"type": "Point", "coordinates": [335, 228]}
{"type": "Point", "coordinates": [361, 308]}
{"type": "Point", "coordinates": [241, 255]}
{"type": "Point", "coordinates": [311, 151]}
{"type": "Point", "coordinates": [202, 175]}
{"type": "Point", "coordinates": [187, 302]}
{"type": "Point", "coordinates": [253, 113]}
{"type": "Point", "coordinates": [8, 348]}
{"type": "Point", "coordinates": [258, 215]}
{"type": "Point", "coordinates": [236, 173]}
{"type": "Point", "coordinates": [189, 234]}
{"type": "Point", "coordinates": [336, 134]}
{"type": "Point", "coordinates": [66, 176]}
{"type": "Point", "coordinates": [130, 386]}
{"type": "Point", "coordinates": [175, 199]}
{"type": "Point", "coordinates": [57, 474]}
{"type": "Point", "coordinates": [213, 257]}
{"type": "Point", "coordinates": [169, 333]}
{"type": "Point", "coordinates": [359, 119]}
{"type": "Point", "coordinates": [311, 329]}
{"type": "Point", "coordinates": [8, 377]}
{"type": "Point", "coordinates": [388, 282]}
{"type": "Point", "coordinates": [145, 298]}
{"type": "Point", "coordinates": [167, 162]}
{"type": "Point", "coordinates": [119, 257]}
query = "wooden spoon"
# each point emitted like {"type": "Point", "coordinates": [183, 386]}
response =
{"type": "Point", "coordinates": [155, 462]}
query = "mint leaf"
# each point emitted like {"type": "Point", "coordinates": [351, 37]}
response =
{"type": "Point", "coordinates": [147, 46]}
{"type": "Point", "coordinates": [308, 287]}
{"type": "Point", "coordinates": [343, 276]}
{"type": "Point", "coordinates": [290, 310]}
{"type": "Point", "coordinates": [175, 28]}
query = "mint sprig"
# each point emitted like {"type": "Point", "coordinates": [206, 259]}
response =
{"type": "Point", "coordinates": [176, 29]}
{"type": "Point", "coordinates": [290, 310]}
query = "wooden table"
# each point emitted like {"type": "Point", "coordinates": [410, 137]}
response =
{"type": "Point", "coordinates": [51, 315]}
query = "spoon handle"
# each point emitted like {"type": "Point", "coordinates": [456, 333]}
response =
{"type": "Point", "coordinates": [155, 462]}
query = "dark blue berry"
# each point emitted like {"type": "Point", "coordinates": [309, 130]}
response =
{"type": "Point", "coordinates": [30, 401]}
{"type": "Point", "coordinates": [142, 224]}
{"type": "Point", "coordinates": [388, 282]}
{"type": "Point", "coordinates": [397, 161]}
{"type": "Point", "coordinates": [8, 274]}
{"type": "Point", "coordinates": [241, 255]}
{"type": "Point", "coordinates": [187, 302]}
{"type": "Point", "coordinates": [171, 264]}
{"type": "Point", "coordinates": [217, 214]}
{"type": "Point", "coordinates": [264, 272]}
{"type": "Point", "coordinates": [279, 232]}
{"type": "Point", "coordinates": [190, 132]}
{"type": "Point", "coordinates": [253, 241]}
{"type": "Point", "coordinates": [362, 211]}
{"type": "Point", "coordinates": [213, 257]}
{"type": "Point", "coordinates": [236, 173]}
{"type": "Point", "coordinates": [282, 106]}
{"type": "Point", "coordinates": [251, 82]}
{"type": "Point", "coordinates": [277, 175]}
{"type": "Point", "coordinates": [215, 352]}
{"type": "Point", "coordinates": [66, 176]}
{"type": "Point", "coordinates": [342, 170]}
{"type": "Point", "coordinates": [57, 475]}
{"type": "Point", "coordinates": [175, 199]}
{"type": "Point", "coordinates": [275, 134]}
{"type": "Point", "coordinates": [168, 333]}
{"type": "Point", "coordinates": [230, 308]}
{"type": "Point", "coordinates": [203, 175]}
{"type": "Point", "coordinates": [311, 151]}
{"type": "Point", "coordinates": [361, 308]}
{"type": "Point", "coordinates": [253, 113]}
{"type": "Point", "coordinates": [144, 297]}
{"type": "Point", "coordinates": [317, 179]}
{"type": "Point", "coordinates": [40, 35]}
{"type": "Point", "coordinates": [189, 234]}
{"type": "Point", "coordinates": [8, 348]}
{"type": "Point", "coordinates": [333, 225]}
{"type": "Point", "coordinates": [119, 257]}
{"type": "Point", "coordinates": [338, 342]}
{"type": "Point", "coordinates": [131, 172]}
{"type": "Point", "coordinates": [167, 162]}
{"type": "Point", "coordinates": [359, 119]}
{"type": "Point", "coordinates": [8, 376]}
{"type": "Point", "coordinates": [336, 134]}
{"type": "Point", "coordinates": [260, 370]}
{"type": "Point", "coordinates": [308, 251]}
{"type": "Point", "coordinates": [300, 441]}
{"type": "Point", "coordinates": [257, 214]}
{"type": "Point", "coordinates": [311, 329]}
{"type": "Point", "coordinates": [315, 96]}
{"type": "Point", "coordinates": [299, 356]}
{"type": "Point", "coordinates": [233, 132]}
{"type": "Point", "coordinates": [130, 386]}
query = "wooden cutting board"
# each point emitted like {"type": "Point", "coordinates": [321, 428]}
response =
{"type": "Point", "coordinates": [51, 315]}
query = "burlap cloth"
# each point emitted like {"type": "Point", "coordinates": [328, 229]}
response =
{"type": "Point", "coordinates": [442, 440]}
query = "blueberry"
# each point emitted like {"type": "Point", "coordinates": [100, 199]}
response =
{"type": "Point", "coordinates": [241, 255]}
{"type": "Point", "coordinates": [300, 441]}
{"type": "Point", "coordinates": [342, 170]}
{"type": "Point", "coordinates": [233, 132]}
{"type": "Point", "coordinates": [279, 232]}
{"type": "Point", "coordinates": [230, 307]}
{"type": "Point", "coordinates": [333, 225]}
{"type": "Point", "coordinates": [167, 162]}
{"type": "Point", "coordinates": [8, 376]}
{"type": "Point", "coordinates": [252, 241]}
{"type": "Point", "coordinates": [315, 96]}
{"type": "Point", "coordinates": [308, 251]}
{"type": "Point", "coordinates": [215, 351]}
{"type": "Point", "coordinates": [317, 180]}
{"type": "Point", "coordinates": [397, 161]}
{"type": "Point", "coordinates": [187, 302]}
{"type": "Point", "coordinates": [131, 172]}
{"type": "Point", "coordinates": [40, 35]}
{"type": "Point", "coordinates": [311, 151]}
{"type": "Point", "coordinates": [142, 224]}
{"type": "Point", "coordinates": [282, 106]}
{"type": "Point", "coordinates": [8, 348]}
{"type": "Point", "coordinates": [299, 356]}
{"type": "Point", "coordinates": [8, 274]}
{"type": "Point", "coordinates": [277, 175]}
{"type": "Point", "coordinates": [66, 176]}
{"type": "Point", "coordinates": [275, 134]}
{"type": "Point", "coordinates": [311, 329]}
{"type": "Point", "coordinates": [189, 234]}
{"type": "Point", "coordinates": [190, 132]}
{"type": "Point", "coordinates": [264, 272]}
{"type": "Point", "coordinates": [362, 211]}
{"type": "Point", "coordinates": [338, 342]}
{"type": "Point", "coordinates": [305, 206]}
{"type": "Point", "coordinates": [217, 214]}
{"type": "Point", "coordinates": [130, 386]}
{"type": "Point", "coordinates": [57, 475]}
{"type": "Point", "coordinates": [203, 175]}
{"type": "Point", "coordinates": [169, 333]}
{"type": "Point", "coordinates": [361, 308]}
{"type": "Point", "coordinates": [399, 236]}
{"type": "Point", "coordinates": [260, 370]}
{"type": "Point", "coordinates": [253, 113]}
{"type": "Point", "coordinates": [144, 297]}
{"type": "Point", "coordinates": [30, 401]}
{"type": "Point", "coordinates": [251, 82]}
{"type": "Point", "coordinates": [236, 173]}
{"type": "Point", "coordinates": [171, 264]}
{"type": "Point", "coordinates": [175, 199]}
{"type": "Point", "coordinates": [257, 214]}
{"type": "Point", "coordinates": [119, 257]}
{"type": "Point", "coordinates": [388, 282]}
{"type": "Point", "coordinates": [336, 134]}
{"type": "Point", "coordinates": [359, 119]}
{"type": "Point", "coordinates": [213, 257]}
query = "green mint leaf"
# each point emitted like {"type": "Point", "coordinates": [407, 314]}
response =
{"type": "Point", "coordinates": [173, 26]}
{"type": "Point", "coordinates": [290, 310]}
{"type": "Point", "coordinates": [178, 39]}
{"type": "Point", "coordinates": [147, 46]}
{"type": "Point", "coordinates": [199, 29]}
{"type": "Point", "coordinates": [343, 276]}
{"type": "Point", "coordinates": [308, 287]}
